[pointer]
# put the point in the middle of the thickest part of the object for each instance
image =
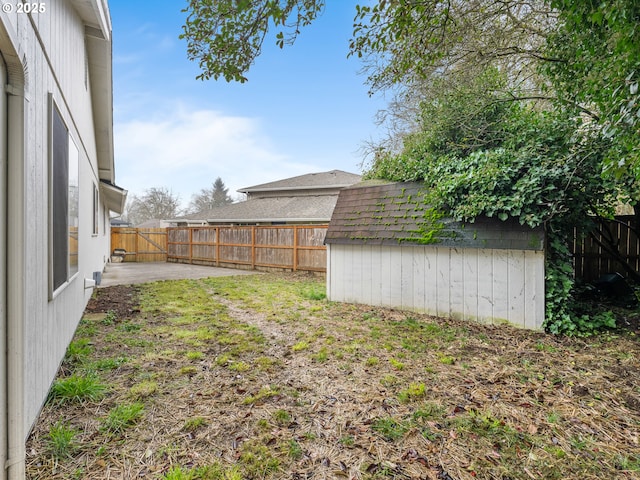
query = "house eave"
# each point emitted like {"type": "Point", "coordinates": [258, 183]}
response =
{"type": "Point", "coordinates": [95, 15]}
{"type": "Point", "coordinates": [114, 196]}
{"type": "Point", "coordinates": [248, 190]}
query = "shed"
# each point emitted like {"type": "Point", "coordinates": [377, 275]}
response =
{"type": "Point", "coordinates": [379, 253]}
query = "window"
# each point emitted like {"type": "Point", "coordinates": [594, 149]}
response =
{"type": "Point", "coordinates": [64, 195]}
{"type": "Point", "coordinates": [96, 209]}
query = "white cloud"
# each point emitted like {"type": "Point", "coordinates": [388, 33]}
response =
{"type": "Point", "coordinates": [187, 149]}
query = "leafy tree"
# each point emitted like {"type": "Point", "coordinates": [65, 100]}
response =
{"type": "Point", "coordinates": [156, 203]}
{"type": "Point", "coordinates": [208, 198]}
{"type": "Point", "coordinates": [597, 47]}
{"type": "Point", "coordinates": [525, 109]}
{"type": "Point", "coordinates": [225, 36]}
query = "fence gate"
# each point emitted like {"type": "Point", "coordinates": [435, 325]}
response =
{"type": "Point", "coordinates": [140, 244]}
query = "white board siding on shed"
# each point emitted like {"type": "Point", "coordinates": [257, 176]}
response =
{"type": "Point", "coordinates": [487, 285]}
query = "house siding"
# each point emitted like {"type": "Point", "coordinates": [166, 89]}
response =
{"type": "Point", "coordinates": [46, 56]}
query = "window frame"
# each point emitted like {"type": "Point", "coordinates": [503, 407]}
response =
{"type": "Point", "coordinates": [63, 200]}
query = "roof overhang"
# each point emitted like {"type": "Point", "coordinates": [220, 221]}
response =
{"type": "Point", "coordinates": [95, 15]}
{"type": "Point", "coordinates": [114, 196]}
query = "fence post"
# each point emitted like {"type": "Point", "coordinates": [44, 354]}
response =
{"type": "Point", "coordinates": [217, 241]}
{"type": "Point", "coordinates": [253, 247]}
{"type": "Point", "coordinates": [295, 248]}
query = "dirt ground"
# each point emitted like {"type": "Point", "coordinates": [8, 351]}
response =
{"type": "Point", "coordinates": [315, 390]}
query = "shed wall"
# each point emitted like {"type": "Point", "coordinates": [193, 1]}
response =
{"type": "Point", "coordinates": [486, 285]}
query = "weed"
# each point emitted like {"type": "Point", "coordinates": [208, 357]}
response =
{"type": "Point", "coordinates": [61, 440]}
{"type": "Point", "coordinates": [223, 360]}
{"type": "Point", "coordinates": [372, 361]}
{"type": "Point", "coordinates": [194, 355]}
{"type": "Point", "coordinates": [389, 428]}
{"type": "Point", "coordinates": [294, 450]}
{"type": "Point", "coordinates": [194, 423]}
{"type": "Point", "coordinates": [557, 452]}
{"type": "Point", "coordinates": [389, 380]}
{"type": "Point", "coordinates": [129, 327]}
{"type": "Point", "coordinates": [396, 364]}
{"type": "Point", "coordinates": [107, 363]}
{"type": "Point", "coordinates": [347, 441]}
{"type": "Point", "coordinates": [553, 417]}
{"type": "Point", "coordinates": [282, 417]}
{"type": "Point", "coordinates": [263, 394]}
{"type": "Point", "coordinates": [122, 417]}
{"type": "Point", "coordinates": [257, 461]}
{"type": "Point", "coordinates": [177, 473]}
{"type": "Point", "coordinates": [239, 367]}
{"type": "Point", "coordinates": [110, 318]}
{"type": "Point", "coordinates": [313, 294]}
{"type": "Point", "coordinates": [301, 345]}
{"type": "Point", "coordinates": [413, 392]}
{"type": "Point", "coordinates": [266, 363]}
{"type": "Point", "coordinates": [77, 388]}
{"type": "Point", "coordinates": [143, 389]}
{"type": "Point", "coordinates": [429, 411]}
{"type": "Point", "coordinates": [446, 359]}
{"type": "Point", "coordinates": [543, 347]}
{"type": "Point", "coordinates": [628, 463]}
{"type": "Point", "coordinates": [189, 370]}
{"type": "Point", "coordinates": [322, 355]}
{"type": "Point", "coordinates": [78, 351]}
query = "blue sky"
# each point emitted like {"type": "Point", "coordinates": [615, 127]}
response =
{"type": "Point", "coordinates": [305, 108]}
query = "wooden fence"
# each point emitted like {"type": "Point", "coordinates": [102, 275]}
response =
{"type": "Point", "coordinates": [300, 247]}
{"type": "Point", "coordinates": [289, 247]}
{"type": "Point", "coordinates": [592, 261]}
{"type": "Point", "coordinates": [140, 244]}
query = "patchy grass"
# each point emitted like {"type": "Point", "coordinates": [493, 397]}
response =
{"type": "Point", "coordinates": [260, 377]}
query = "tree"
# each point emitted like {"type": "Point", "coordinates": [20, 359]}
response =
{"type": "Point", "coordinates": [516, 108]}
{"type": "Point", "coordinates": [226, 36]}
{"type": "Point", "coordinates": [598, 48]}
{"type": "Point", "coordinates": [156, 203]}
{"type": "Point", "coordinates": [208, 198]}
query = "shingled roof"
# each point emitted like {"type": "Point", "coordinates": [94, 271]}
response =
{"type": "Point", "coordinates": [331, 180]}
{"type": "Point", "coordinates": [396, 213]}
{"type": "Point", "coordinates": [312, 208]}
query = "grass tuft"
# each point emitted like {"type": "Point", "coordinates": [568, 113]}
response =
{"type": "Point", "coordinates": [122, 417]}
{"type": "Point", "coordinates": [77, 388]}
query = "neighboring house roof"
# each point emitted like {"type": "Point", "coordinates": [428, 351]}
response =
{"type": "Point", "coordinates": [312, 208]}
{"type": "Point", "coordinates": [153, 223]}
{"type": "Point", "coordinates": [305, 198]}
{"type": "Point", "coordinates": [396, 213]}
{"type": "Point", "coordinates": [332, 179]}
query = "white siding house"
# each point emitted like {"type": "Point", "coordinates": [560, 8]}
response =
{"type": "Point", "coordinates": [489, 271]}
{"type": "Point", "coordinates": [57, 185]}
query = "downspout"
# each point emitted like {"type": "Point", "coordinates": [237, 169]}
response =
{"type": "Point", "coordinates": [3, 265]}
{"type": "Point", "coordinates": [16, 288]}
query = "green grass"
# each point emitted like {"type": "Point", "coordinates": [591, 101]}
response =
{"type": "Point", "coordinates": [142, 390]}
{"type": "Point", "coordinates": [389, 428]}
{"type": "Point", "coordinates": [122, 417]}
{"type": "Point", "coordinates": [194, 423]}
{"type": "Point", "coordinates": [78, 351]}
{"type": "Point", "coordinates": [282, 417]}
{"type": "Point", "coordinates": [415, 391]}
{"type": "Point", "coordinates": [77, 388]}
{"type": "Point", "coordinates": [61, 440]}
{"type": "Point", "coordinates": [263, 394]}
